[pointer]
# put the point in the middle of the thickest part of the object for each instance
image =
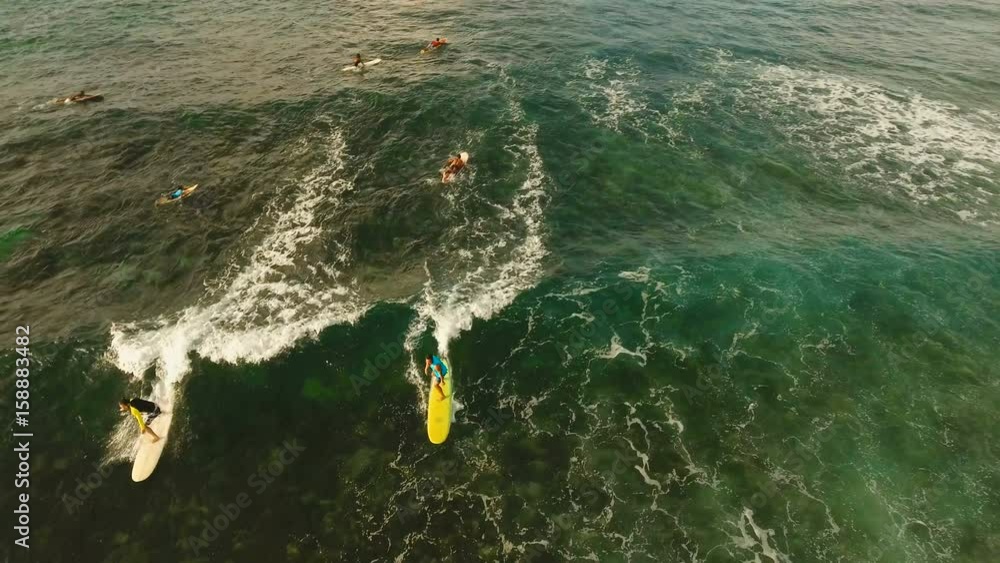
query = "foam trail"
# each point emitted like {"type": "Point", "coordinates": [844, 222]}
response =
{"type": "Point", "coordinates": [277, 298]}
{"type": "Point", "coordinates": [481, 295]}
{"type": "Point", "coordinates": [485, 280]}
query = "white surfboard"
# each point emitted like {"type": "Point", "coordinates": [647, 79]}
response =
{"type": "Point", "coordinates": [464, 156]}
{"type": "Point", "coordinates": [363, 65]}
{"type": "Point", "coordinates": [149, 453]}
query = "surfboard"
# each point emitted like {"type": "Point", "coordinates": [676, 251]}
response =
{"type": "Point", "coordinates": [363, 66]}
{"type": "Point", "coordinates": [164, 200]}
{"type": "Point", "coordinates": [439, 410]}
{"type": "Point", "coordinates": [448, 177]}
{"type": "Point", "coordinates": [83, 100]}
{"type": "Point", "coordinates": [149, 452]}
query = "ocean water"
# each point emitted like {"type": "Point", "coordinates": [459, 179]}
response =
{"type": "Point", "coordinates": [719, 284]}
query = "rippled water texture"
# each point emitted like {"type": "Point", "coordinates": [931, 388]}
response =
{"type": "Point", "coordinates": [718, 284]}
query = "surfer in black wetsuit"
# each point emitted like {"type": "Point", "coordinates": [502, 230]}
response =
{"type": "Point", "coordinates": [138, 407]}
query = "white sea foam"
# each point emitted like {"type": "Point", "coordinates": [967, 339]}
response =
{"type": "Point", "coordinates": [612, 97]}
{"type": "Point", "coordinates": [930, 149]}
{"type": "Point", "coordinates": [927, 150]}
{"type": "Point", "coordinates": [640, 275]}
{"type": "Point", "coordinates": [616, 349]}
{"type": "Point", "coordinates": [264, 305]}
{"type": "Point", "coordinates": [756, 539]}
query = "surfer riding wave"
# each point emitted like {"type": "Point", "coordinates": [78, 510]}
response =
{"type": "Point", "coordinates": [143, 411]}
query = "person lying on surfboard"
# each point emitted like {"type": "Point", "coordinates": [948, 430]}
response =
{"type": "Point", "coordinates": [436, 43]}
{"type": "Point", "coordinates": [439, 370]}
{"type": "Point", "coordinates": [176, 194]}
{"type": "Point", "coordinates": [137, 407]}
{"type": "Point", "coordinates": [79, 98]}
{"type": "Point", "coordinates": [452, 167]}
{"type": "Point", "coordinates": [357, 60]}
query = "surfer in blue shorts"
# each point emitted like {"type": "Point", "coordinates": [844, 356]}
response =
{"type": "Point", "coordinates": [176, 194]}
{"type": "Point", "coordinates": [437, 367]}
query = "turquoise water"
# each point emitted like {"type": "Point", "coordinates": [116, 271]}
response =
{"type": "Point", "coordinates": [719, 284]}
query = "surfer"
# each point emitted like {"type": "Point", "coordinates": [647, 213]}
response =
{"type": "Point", "coordinates": [435, 365]}
{"type": "Point", "coordinates": [436, 43]}
{"type": "Point", "coordinates": [452, 167]}
{"type": "Point", "coordinates": [357, 60]}
{"type": "Point", "coordinates": [176, 194]}
{"type": "Point", "coordinates": [78, 97]}
{"type": "Point", "coordinates": [137, 407]}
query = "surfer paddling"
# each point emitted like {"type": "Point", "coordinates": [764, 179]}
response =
{"type": "Point", "coordinates": [436, 43]}
{"type": "Point", "coordinates": [81, 97]}
{"type": "Point", "coordinates": [439, 371]}
{"type": "Point", "coordinates": [452, 167]}
{"type": "Point", "coordinates": [176, 194]}
{"type": "Point", "coordinates": [137, 407]}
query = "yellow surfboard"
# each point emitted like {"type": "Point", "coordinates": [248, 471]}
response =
{"type": "Point", "coordinates": [439, 410]}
